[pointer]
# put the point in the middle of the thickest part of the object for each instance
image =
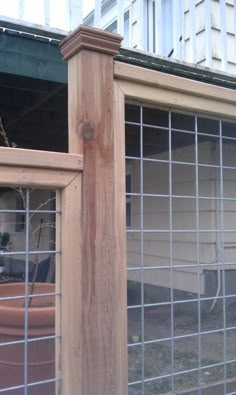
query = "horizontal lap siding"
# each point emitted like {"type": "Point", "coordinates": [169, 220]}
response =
{"type": "Point", "coordinates": [208, 33]}
{"type": "Point", "coordinates": [156, 216]}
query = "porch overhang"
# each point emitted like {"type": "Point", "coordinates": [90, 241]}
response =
{"type": "Point", "coordinates": [31, 52]}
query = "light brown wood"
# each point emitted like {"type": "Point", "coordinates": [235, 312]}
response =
{"type": "Point", "coordinates": [87, 37]}
{"type": "Point", "coordinates": [120, 291]}
{"type": "Point", "coordinates": [68, 262]}
{"type": "Point", "coordinates": [123, 71]}
{"type": "Point", "coordinates": [40, 159]}
{"type": "Point", "coordinates": [71, 288]}
{"type": "Point", "coordinates": [74, 118]}
{"type": "Point", "coordinates": [58, 289]}
{"type": "Point", "coordinates": [176, 100]}
{"type": "Point", "coordinates": [96, 130]}
{"type": "Point", "coordinates": [158, 88]}
{"type": "Point", "coordinates": [34, 177]}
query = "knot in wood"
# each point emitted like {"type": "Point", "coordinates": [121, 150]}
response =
{"type": "Point", "coordinates": [87, 131]}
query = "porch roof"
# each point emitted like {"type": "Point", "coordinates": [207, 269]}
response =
{"type": "Point", "coordinates": [33, 79]}
{"type": "Point", "coordinates": [34, 52]}
{"type": "Point", "coordinates": [30, 52]}
{"type": "Point", "coordinates": [178, 68]}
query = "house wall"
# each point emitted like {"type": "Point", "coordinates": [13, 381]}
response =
{"type": "Point", "coordinates": [111, 14]}
{"type": "Point", "coordinates": [39, 200]}
{"type": "Point", "coordinates": [212, 43]}
{"type": "Point", "coordinates": [156, 217]}
{"type": "Point", "coordinates": [208, 36]}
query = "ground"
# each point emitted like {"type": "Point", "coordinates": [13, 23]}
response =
{"type": "Point", "coordinates": [183, 350]}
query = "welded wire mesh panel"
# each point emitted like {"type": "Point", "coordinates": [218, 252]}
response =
{"type": "Point", "coordinates": [181, 252]}
{"type": "Point", "coordinates": [27, 291]}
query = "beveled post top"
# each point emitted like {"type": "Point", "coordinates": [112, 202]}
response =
{"type": "Point", "coordinates": [90, 38]}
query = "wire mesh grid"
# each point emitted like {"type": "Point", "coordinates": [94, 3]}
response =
{"type": "Point", "coordinates": [181, 252]}
{"type": "Point", "coordinates": [27, 291]}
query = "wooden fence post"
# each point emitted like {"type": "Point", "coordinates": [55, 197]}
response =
{"type": "Point", "coordinates": [96, 130]}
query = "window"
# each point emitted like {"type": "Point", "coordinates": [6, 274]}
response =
{"type": "Point", "coordinates": [113, 28]}
{"type": "Point", "coordinates": [164, 22]}
{"type": "Point", "coordinates": [126, 29]}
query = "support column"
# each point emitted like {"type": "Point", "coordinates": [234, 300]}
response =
{"type": "Point", "coordinates": [96, 130]}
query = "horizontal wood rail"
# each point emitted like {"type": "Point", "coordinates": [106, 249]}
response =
{"type": "Point", "coordinates": [40, 159]}
{"type": "Point", "coordinates": [151, 86]}
{"type": "Point", "coordinates": [161, 80]}
{"type": "Point", "coordinates": [16, 176]}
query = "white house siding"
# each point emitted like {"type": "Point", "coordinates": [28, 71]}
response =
{"type": "Point", "coordinates": [209, 36]}
{"type": "Point", "coordinates": [201, 32]}
{"type": "Point", "coordinates": [138, 24]}
{"type": "Point", "coordinates": [156, 217]}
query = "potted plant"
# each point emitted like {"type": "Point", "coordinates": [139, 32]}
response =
{"type": "Point", "coordinates": [41, 323]}
{"type": "Point", "coordinates": [40, 354]}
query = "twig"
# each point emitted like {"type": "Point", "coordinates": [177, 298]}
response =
{"type": "Point", "coordinates": [7, 143]}
{"type": "Point", "coordinates": [41, 205]}
{"type": "Point", "coordinates": [44, 225]}
{"type": "Point", "coordinates": [4, 136]}
{"type": "Point", "coordinates": [36, 267]}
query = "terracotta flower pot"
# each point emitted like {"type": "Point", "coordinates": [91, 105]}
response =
{"type": "Point", "coordinates": [41, 354]}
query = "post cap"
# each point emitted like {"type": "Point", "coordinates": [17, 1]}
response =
{"type": "Point", "coordinates": [90, 38]}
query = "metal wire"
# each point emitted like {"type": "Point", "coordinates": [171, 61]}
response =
{"type": "Point", "coordinates": [198, 256]}
{"type": "Point", "coordinates": [180, 231]}
{"type": "Point", "coordinates": [213, 198]}
{"type": "Point", "coordinates": [140, 265]}
{"type": "Point", "coordinates": [222, 252]}
{"type": "Point", "coordinates": [178, 266]}
{"type": "Point", "coordinates": [30, 385]}
{"type": "Point", "coordinates": [171, 257]}
{"type": "Point", "coordinates": [31, 340]}
{"type": "Point", "coordinates": [36, 252]}
{"type": "Point", "coordinates": [185, 336]}
{"type": "Point", "coordinates": [142, 247]}
{"type": "Point", "coordinates": [181, 301]}
{"type": "Point", "coordinates": [27, 252]}
{"type": "Point", "coordinates": [181, 372]}
{"type": "Point", "coordinates": [27, 248]}
{"type": "Point", "coordinates": [31, 296]}
{"type": "Point", "coordinates": [179, 162]}
{"type": "Point", "coordinates": [3, 211]}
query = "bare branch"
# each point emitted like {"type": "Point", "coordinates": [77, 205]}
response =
{"type": "Point", "coordinates": [4, 136]}
{"type": "Point", "coordinates": [41, 205]}
{"type": "Point", "coordinates": [36, 231]}
{"type": "Point", "coordinates": [44, 225]}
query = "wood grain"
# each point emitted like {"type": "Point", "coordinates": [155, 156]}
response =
{"type": "Point", "coordinates": [94, 100]}
{"type": "Point", "coordinates": [40, 159]}
{"type": "Point", "coordinates": [34, 177]}
{"type": "Point", "coordinates": [58, 289]}
{"type": "Point", "coordinates": [123, 71]}
{"type": "Point", "coordinates": [71, 288]}
{"type": "Point", "coordinates": [120, 292]}
{"type": "Point", "coordinates": [156, 88]}
{"type": "Point", "coordinates": [176, 100]}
